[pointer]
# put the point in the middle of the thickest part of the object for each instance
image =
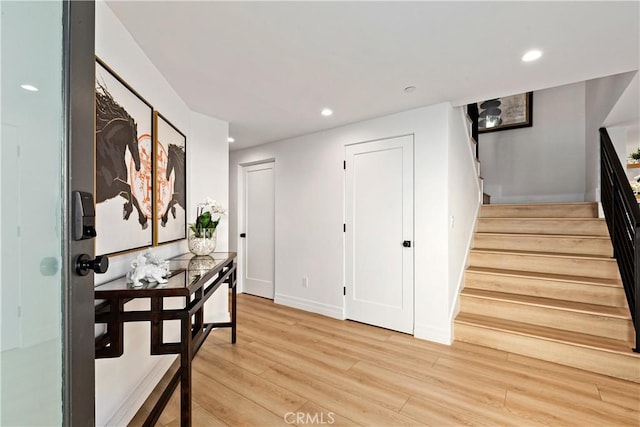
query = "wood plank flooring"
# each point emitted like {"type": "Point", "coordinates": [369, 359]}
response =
{"type": "Point", "coordinates": [290, 367]}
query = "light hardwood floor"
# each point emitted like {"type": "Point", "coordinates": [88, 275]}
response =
{"type": "Point", "coordinates": [293, 367]}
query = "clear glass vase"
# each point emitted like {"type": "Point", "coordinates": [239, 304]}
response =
{"type": "Point", "coordinates": [202, 242]}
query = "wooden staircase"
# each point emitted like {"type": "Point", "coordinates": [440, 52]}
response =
{"type": "Point", "coordinates": [542, 282]}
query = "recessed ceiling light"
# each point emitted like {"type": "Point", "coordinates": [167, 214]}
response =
{"type": "Point", "coordinates": [30, 88]}
{"type": "Point", "coordinates": [230, 140]}
{"type": "Point", "coordinates": [326, 112]}
{"type": "Point", "coordinates": [409, 89]}
{"type": "Point", "coordinates": [531, 55]}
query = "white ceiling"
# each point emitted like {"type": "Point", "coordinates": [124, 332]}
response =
{"type": "Point", "coordinates": [268, 68]}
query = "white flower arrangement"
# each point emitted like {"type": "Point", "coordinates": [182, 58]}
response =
{"type": "Point", "coordinates": [208, 215]}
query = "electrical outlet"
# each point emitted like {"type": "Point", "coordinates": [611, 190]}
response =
{"type": "Point", "coordinates": [305, 282]}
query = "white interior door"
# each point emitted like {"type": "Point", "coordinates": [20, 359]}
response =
{"type": "Point", "coordinates": [259, 223]}
{"type": "Point", "coordinates": [379, 233]}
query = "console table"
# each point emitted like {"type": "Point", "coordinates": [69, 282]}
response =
{"type": "Point", "coordinates": [195, 279]}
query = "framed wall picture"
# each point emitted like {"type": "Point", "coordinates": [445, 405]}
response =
{"type": "Point", "coordinates": [171, 182]}
{"type": "Point", "coordinates": [124, 175]}
{"type": "Point", "coordinates": [509, 112]}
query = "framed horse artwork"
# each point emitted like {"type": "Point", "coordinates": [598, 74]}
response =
{"type": "Point", "coordinates": [124, 174]}
{"type": "Point", "coordinates": [171, 182]}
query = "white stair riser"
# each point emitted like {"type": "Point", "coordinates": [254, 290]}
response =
{"type": "Point", "coordinates": [567, 291]}
{"type": "Point", "coordinates": [606, 327]}
{"type": "Point", "coordinates": [582, 210]}
{"type": "Point", "coordinates": [601, 268]}
{"type": "Point", "coordinates": [613, 364]}
{"type": "Point", "coordinates": [594, 227]}
{"type": "Point", "coordinates": [541, 243]}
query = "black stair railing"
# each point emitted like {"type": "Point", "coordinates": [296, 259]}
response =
{"type": "Point", "coordinates": [623, 220]}
{"type": "Point", "coordinates": [472, 112]}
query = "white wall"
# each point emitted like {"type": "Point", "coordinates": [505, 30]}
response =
{"type": "Point", "coordinates": [623, 124]}
{"type": "Point", "coordinates": [542, 163]}
{"type": "Point", "coordinates": [557, 159]}
{"type": "Point", "coordinates": [208, 176]}
{"type": "Point", "coordinates": [626, 140]}
{"type": "Point", "coordinates": [122, 384]}
{"type": "Point", "coordinates": [465, 197]}
{"type": "Point", "coordinates": [601, 95]}
{"type": "Point", "coordinates": [309, 205]}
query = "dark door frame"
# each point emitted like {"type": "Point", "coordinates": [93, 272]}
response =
{"type": "Point", "coordinates": [78, 397]}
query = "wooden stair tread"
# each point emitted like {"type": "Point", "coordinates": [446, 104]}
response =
{"type": "Point", "coordinates": [540, 219]}
{"type": "Point", "coordinates": [546, 254]}
{"type": "Point", "coordinates": [549, 334]}
{"type": "Point", "coordinates": [569, 308]}
{"type": "Point", "coordinates": [600, 310]}
{"type": "Point", "coordinates": [544, 204]}
{"type": "Point", "coordinates": [577, 210]}
{"type": "Point", "coordinates": [543, 236]}
{"type": "Point", "coordinates": [547, 276]}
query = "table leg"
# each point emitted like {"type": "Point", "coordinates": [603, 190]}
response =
{"type": "Point", "coordinates": [185, 372]}
{"type": "Point", "coordinates": [233, 307]}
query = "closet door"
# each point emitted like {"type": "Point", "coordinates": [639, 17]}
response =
{"type": "Point", "coordinates": [379, 233]}
{"type": "Point", "coordinates": [258, 236]}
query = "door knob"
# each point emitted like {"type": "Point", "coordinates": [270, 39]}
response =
{"type": "Point", "coordinates": [243, 235]}
{"type": "Point", "coordinates": [406, 243]}
{"type": "Point", "coordinates": [84, 263]}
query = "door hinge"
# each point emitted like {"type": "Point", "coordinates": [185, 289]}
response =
{"type": "Point", "coordinates": [344, 290]}
{"type": "Point", "coordinates": [344, 228]}
{"type": "Point", "coordinates": [344, 165]}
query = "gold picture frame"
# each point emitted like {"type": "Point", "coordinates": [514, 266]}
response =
{"type": "Point", "coordinates": [170, 189]}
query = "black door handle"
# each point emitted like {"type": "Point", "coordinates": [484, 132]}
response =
{"type": "Point", "coordinates": [243, 235]}
{"type": "Point", "coordinates": [84, 263]}
{"type": "Point", "coordinates": [406, 243]}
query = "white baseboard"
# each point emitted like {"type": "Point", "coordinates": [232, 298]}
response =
{"type": "Point", "coordinates": [600, 210]}
{"type": "Point", "coordinates": [429, 333]}
{"type": "Point", "coordinates": [137, 397]}
{"type": "Point", "coordinates": [333, 311]}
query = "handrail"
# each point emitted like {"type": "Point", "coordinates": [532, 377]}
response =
{"type": "Point", "coordinates": [623, 221]}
